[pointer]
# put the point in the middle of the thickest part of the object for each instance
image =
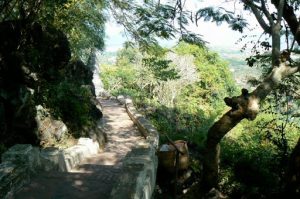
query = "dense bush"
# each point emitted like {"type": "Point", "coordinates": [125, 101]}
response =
{"type": "Point", "coordinates": [69, 102]}
{"type": "Point", "coordinates": [182, 105]}
{"type": "Point", "coordinates": [254, 154]}
{"type": "Point", "coordinates": [253, 165]}
{"type": "Point", "coordinates": [73, 104]}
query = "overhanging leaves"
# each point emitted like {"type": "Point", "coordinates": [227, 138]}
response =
{"type": "Point", "coordinates": [220, 15]}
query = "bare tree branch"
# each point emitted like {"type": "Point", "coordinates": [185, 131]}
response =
{"type": "Point", "coordinates": [266, 12]}
{"type": "Point", "coordinates": [258, 16]}
{"type": "Point", "coordinates": [276, 35]}
{"type": "Point", "coordinates": [280, 10]}
{"type": "Point", "coordinates": [290, 17]}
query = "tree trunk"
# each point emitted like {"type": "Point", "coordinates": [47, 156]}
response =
{"type": "Point", "coordinates": [247, 104]}
{"type": "Point", "coordinates": [212, 148]}
{"type": "Point", "coordinates": [291, 19]}
{"type": "Point", "coordinates": [244, 106]}
{"type": "Point", "coordinates": [293, 173]}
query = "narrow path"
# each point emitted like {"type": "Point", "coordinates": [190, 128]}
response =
{"type": "Point", "coordinates": [94, 177]}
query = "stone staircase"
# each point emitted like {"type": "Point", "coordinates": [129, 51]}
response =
{"type": "Point", "coordinates": [125, 169]}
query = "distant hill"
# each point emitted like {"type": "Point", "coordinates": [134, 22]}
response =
{"type": "Point", "coordinates": [107, 58]}
{"type": "Point", "coordinates": [236, 59]}
{"type": "Point", "coordinates": [238, 66]}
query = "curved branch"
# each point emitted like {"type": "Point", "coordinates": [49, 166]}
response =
{"type": "Point", "coordinates": [245, 106]}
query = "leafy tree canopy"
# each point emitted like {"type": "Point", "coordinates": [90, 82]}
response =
{"type": "Point", "coordinates": [81, 20]}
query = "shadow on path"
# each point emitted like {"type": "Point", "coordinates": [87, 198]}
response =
{"type": "Point", "coordinates": [96, 175]}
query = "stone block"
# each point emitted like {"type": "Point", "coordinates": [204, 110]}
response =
{"type": "Point", "coordinates": [93, 147]}
{"type": "Point", "coordinates": [12, 178]}
{"type": "Point", "coordinates": [48, 129]}
{"type": "Point", "coordinates": [75, 155]}
{"type": "Point", "coordinates": [121, 99]}
{"type": "Point", "coordinates": [101, 139]}
{"type": "Point", "coordinates": [137, 153]}
{"type": "Point", "coordinates": [85, 141]}
{"type": "Point", "coordinates": [128, 101]}
{"type": "Point", "coordinates": [97, 134]}
{"type": "Point", "coordinates": [143, 145]}
{"type": "Point", "coordinates": [140, 165]}
{"type": "Point", "coordinates": [126, 185]}
{"type": "Point", "coordinates": [62, 165]}
{"type": "Point", "coordinates": [147, 157]}
{"type": "Point", "coordinates": [50, 159]}
{"type": "Point", "coordinates": [61, 129]}
{"type": "Point", "coordinates": [19, 152]}
{"type": "Point", "coordinates": [147, 188]}
{"type": "Point", "coordinates": [136, 182]}
{"type": "Point", "coordinates": [154, 141]}
{"type": "Point", "coordinates": [5, 169]}
{"type": "Point", "coordinates": [23, 154]}
{"type": "Point", "coordinates": [81, 152]}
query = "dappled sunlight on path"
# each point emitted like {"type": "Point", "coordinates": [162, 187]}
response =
{"type": "Point", "coordinates": [122, 136]}
{"type": "Point", "coordinates": [95, 176]}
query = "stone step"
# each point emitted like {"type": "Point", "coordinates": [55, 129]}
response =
{"type": "Point", "coordinates": [126, 168]}
{"type": "Point", "coordinates": [94, 181]}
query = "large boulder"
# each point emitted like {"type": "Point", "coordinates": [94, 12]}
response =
{"type": "Point", "coordinates": [17, 112]}
{"type": "Point", "coordinates": [49, 130]}
{"type": "Point", "coordinates": [30, 56]}
{"type": "Point", "coordinates": [77, 70]}
{"type": "Point", "coordinates": [34, 65]}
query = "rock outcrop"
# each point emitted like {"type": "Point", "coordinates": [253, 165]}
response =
{"type": "Point", "coordinates": [36, 69]}
{"type": "Point", "coordinates": [49, 130]}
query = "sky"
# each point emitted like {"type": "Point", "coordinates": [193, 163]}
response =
{"type": "Point", "coordinates": [216, 36]}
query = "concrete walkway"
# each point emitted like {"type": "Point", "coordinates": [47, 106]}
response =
{"type": "Point", "coordinates": [95, 177]}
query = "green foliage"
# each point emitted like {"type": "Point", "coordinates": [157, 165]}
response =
{"type": "Point", "coordinates": [249, 150]}
{"type": "Point", "coordinates": [145, 21]}
{"type": "Point", "coordinates": [155, 20]}
{"type": "Point", "coordinates": [73, 103]}
{"type": "Point", "coordinates": [128, 56]}
{"type": "Point", "coordinates": [183, 106]}
{"type": "Point", "coordinates": [17, 9]}
{"type": "Point", "coordinates": [182, 122]}
{"type": "Point", "coordinates": [82, 21]}
{"type": "Point", "coordinates": [220, 15]}
{"type": "Point", "coordinates": [215, 15]}
{"type": "Point", "coordinates": [160, 68]}
{"type": "Point", "coordinates": [215, 80]}
{"type": "Point", "coordinates": [246, 155]}
{"type": "Point", "coordinates": [69, 102]}
{"type": "Point", "coordinates": [117, 78]}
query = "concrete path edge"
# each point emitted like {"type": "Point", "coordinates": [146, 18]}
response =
{"type": "Point", "coordinates": [139, 177]}
{"type": "Point", "coordinates": [22, 161]}
{"type": "Point", "coordinates": [136, 182]}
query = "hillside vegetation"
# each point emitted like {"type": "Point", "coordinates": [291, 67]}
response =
{"type": "Point", "coordinates": [47, 97]}
{"type": "Point", "coordinates": [182, 90]}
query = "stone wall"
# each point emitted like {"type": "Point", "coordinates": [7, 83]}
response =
{"type": "Point", "coordinates": [139, 177]}
{"type": "Point", "coordinates": [136, 182]}
{"type": "Point", "coordinates": [23, 160]}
